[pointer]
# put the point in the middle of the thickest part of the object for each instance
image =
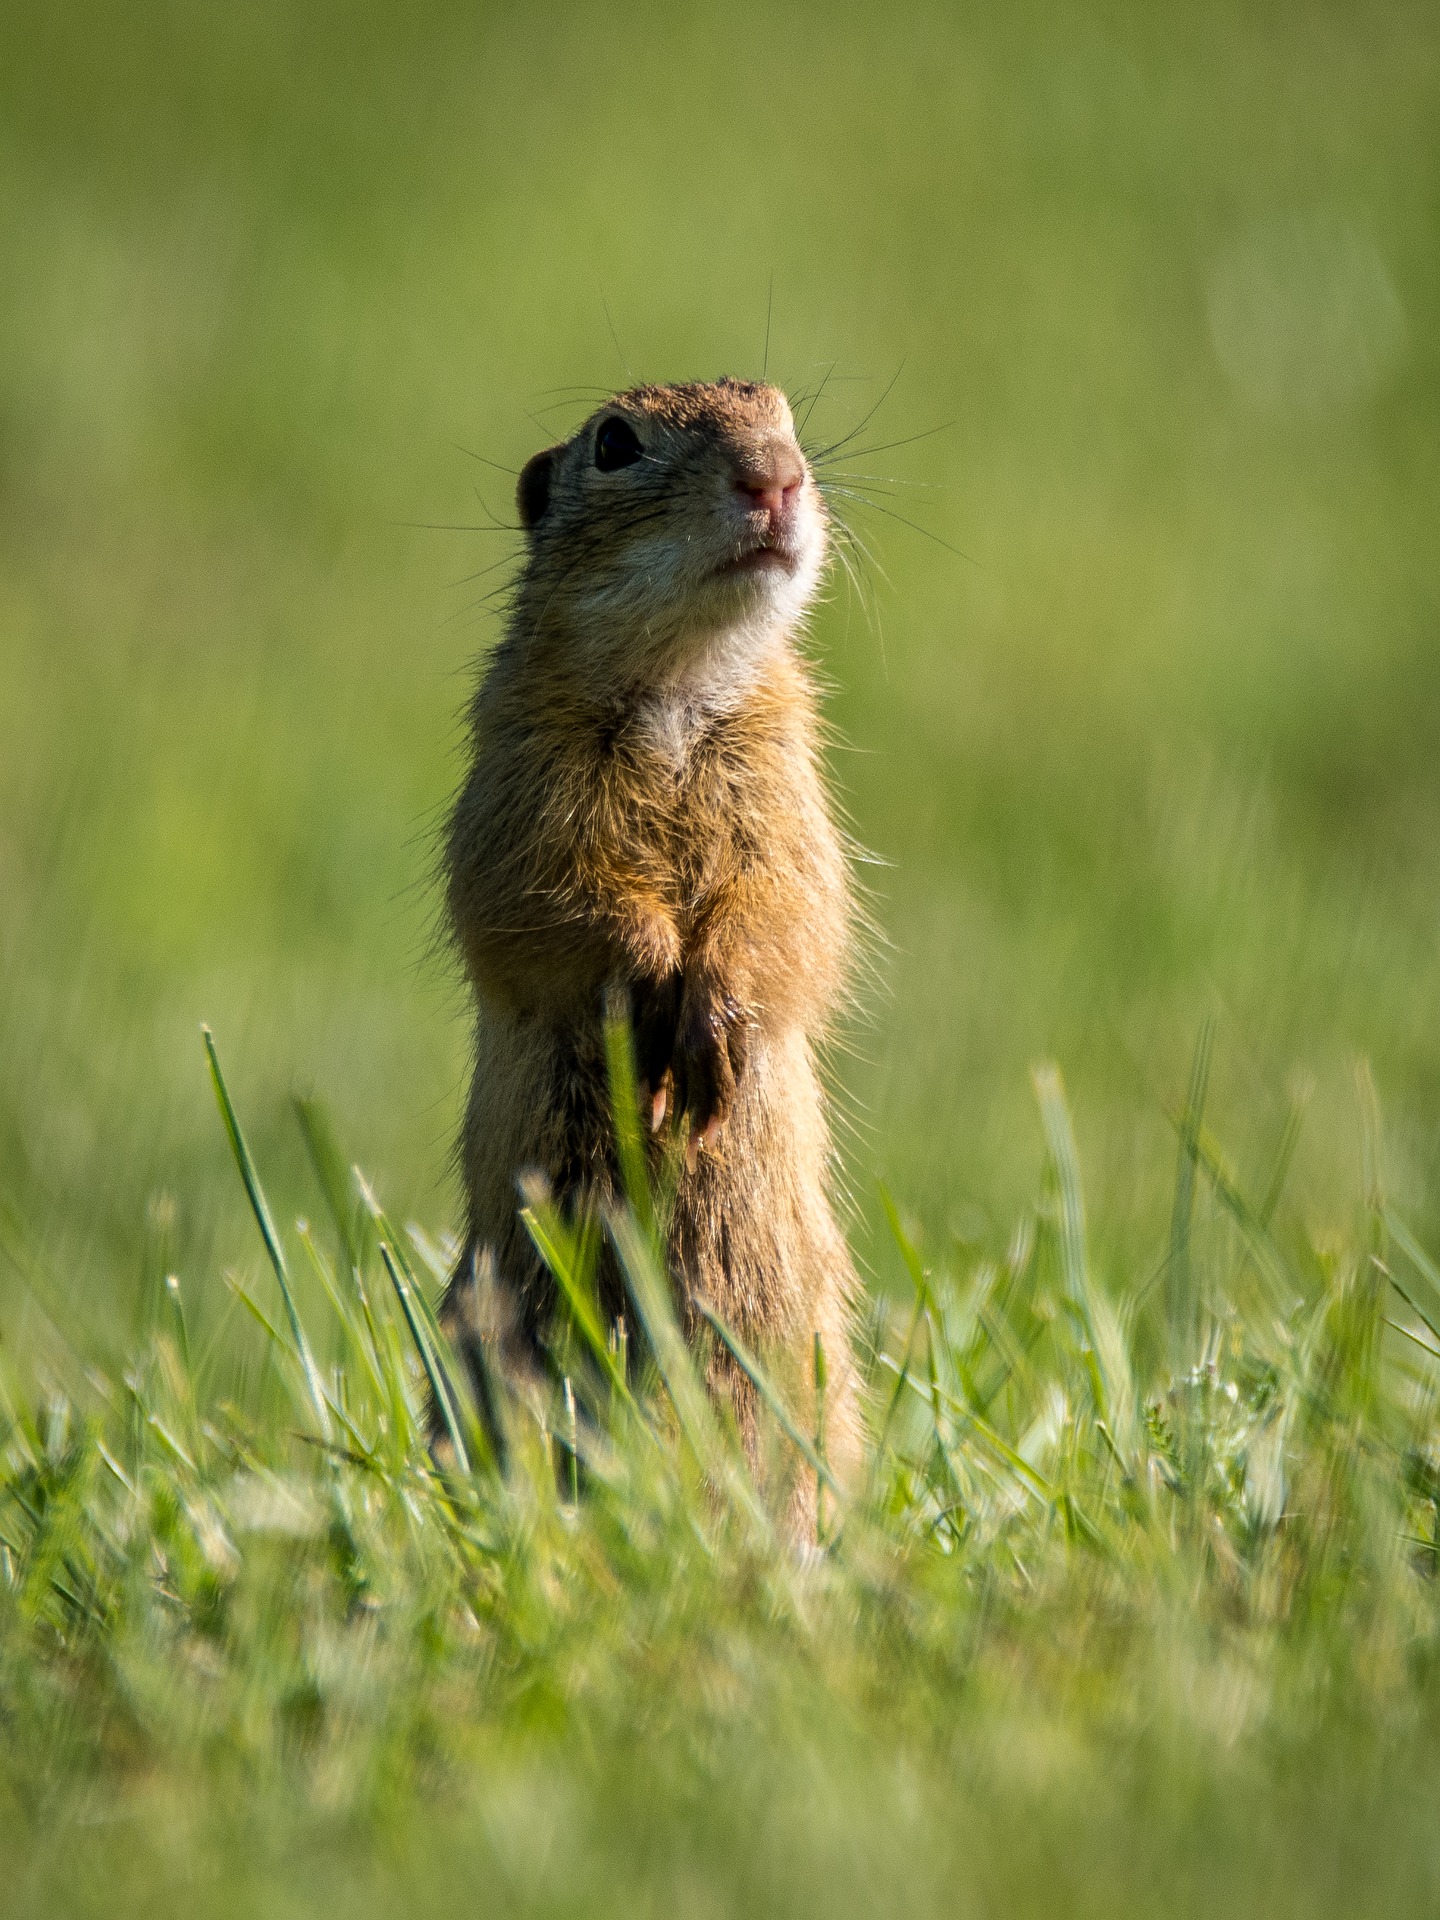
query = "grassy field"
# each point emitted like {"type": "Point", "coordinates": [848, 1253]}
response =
{"type": "Point", "coordinates": [1139, 711]}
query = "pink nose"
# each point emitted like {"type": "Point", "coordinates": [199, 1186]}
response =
{"type": "Point", "coordinates": [771, 484]}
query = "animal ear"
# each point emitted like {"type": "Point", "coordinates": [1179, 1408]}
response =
{"type": "Point", "coordinates": [532, 492]}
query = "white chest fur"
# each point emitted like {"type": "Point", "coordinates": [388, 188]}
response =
{"type": "Point", "coordinates": [713, 682]}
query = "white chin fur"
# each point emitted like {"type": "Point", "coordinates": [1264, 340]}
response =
{"type": "Point", "coordinates": [715, 660]}
{"type": "Point", "coordinates": [708, 632]}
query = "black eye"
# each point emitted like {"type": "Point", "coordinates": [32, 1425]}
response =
{"type": "Point", "coordinates": [616, 445]}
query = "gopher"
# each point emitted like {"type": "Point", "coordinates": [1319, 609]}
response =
{"type": "Point", "coordinates": [644, 815]}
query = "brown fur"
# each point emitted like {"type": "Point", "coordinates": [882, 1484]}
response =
{"type": "Point", "coordinates": [644, 811]}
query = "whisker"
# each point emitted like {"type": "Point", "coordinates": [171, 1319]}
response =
{"type": "Point", "coordinates": [602, 393]}
{"type": "Point", "coordinates": [871, 479]}
{"type": "Point", "coordinates": [855, 557]}
{"type": "Point", "coordinates": [479, 574]}
{"type": "Point", "coordinates": [484, 459]}
{"type": "Point", "coordinates": [826, 454]}
{"type": "Point", "coordinates": [557, 406]}
{"type": "Point", "coordinates": [453, 526]}
{"type": "Point", "coordinates": [862, 548]}
{"type": "Point", "coordinates": [861, 500]}
{"type": "Point", "coordinates": [832, 489]}
{"type": "Point", "coordinates": [615, 341]}
{"type": "Point", "coordinates": [800, 433]}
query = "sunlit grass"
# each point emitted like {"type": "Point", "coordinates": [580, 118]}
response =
{"type": "Point", "coordinates": [1183, 1517]}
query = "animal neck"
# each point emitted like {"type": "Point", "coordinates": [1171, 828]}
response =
{"type": "Point", "coordinates": [672, 685]}
{"type": "Point", "coordinates": [707, 680]}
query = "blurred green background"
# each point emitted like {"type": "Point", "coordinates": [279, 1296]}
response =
{"type": "Point", "coordinates": [1161, 745]}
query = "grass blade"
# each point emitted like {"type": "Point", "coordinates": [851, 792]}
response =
{"type": "Point", "coordinates": [1424, 1266]}
{"type": "Point", "coordinates": [709, 1444]}
{"type": "Point", "coordinates": [439, 1387]}
{"type": "Point", "coordinates": [763, 1385]}
{"type": "Point", "coordinates": [1181, 1305]}
{"type": "Point", "coordinates": [1074, 1264]}
{"type": "Point", "coordinates": [259, 1206]}
{"type": "Point", "coordinates": [625, 1114]}
{"type": "Point", "coordinates": [436, 1351]}
{"type": "Point", "coordinates": [558, 1248]}
{"type": "Point", "coordinates": [331, 1172]}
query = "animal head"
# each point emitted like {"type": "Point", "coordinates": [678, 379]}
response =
{"type": "Point", "coordinates": [675, 517]}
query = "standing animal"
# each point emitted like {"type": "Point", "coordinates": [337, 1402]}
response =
{"type": "Point", "coordinates": [644, 813]}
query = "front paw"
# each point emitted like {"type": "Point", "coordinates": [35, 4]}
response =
{"type": "Point", "coordinates": [656, 1005]}
{"type": "Point", "coordinates": [708, 1062]}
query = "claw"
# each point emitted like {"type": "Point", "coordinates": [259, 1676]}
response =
{"type": "Point", "coordinates": [692, 1151]}
{"type": "Point", "coordinates": [657, 1109]}
{"type": "Point", "coordinates": [712, 1131]}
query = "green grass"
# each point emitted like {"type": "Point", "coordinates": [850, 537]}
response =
{"type": "Point", "coordinates": [1153, 762]}
{"type": "Point", "coordinates": [1128, 1594]}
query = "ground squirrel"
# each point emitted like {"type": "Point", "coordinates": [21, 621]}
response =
{"type": "Point", "coordinates": [644, 812]}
